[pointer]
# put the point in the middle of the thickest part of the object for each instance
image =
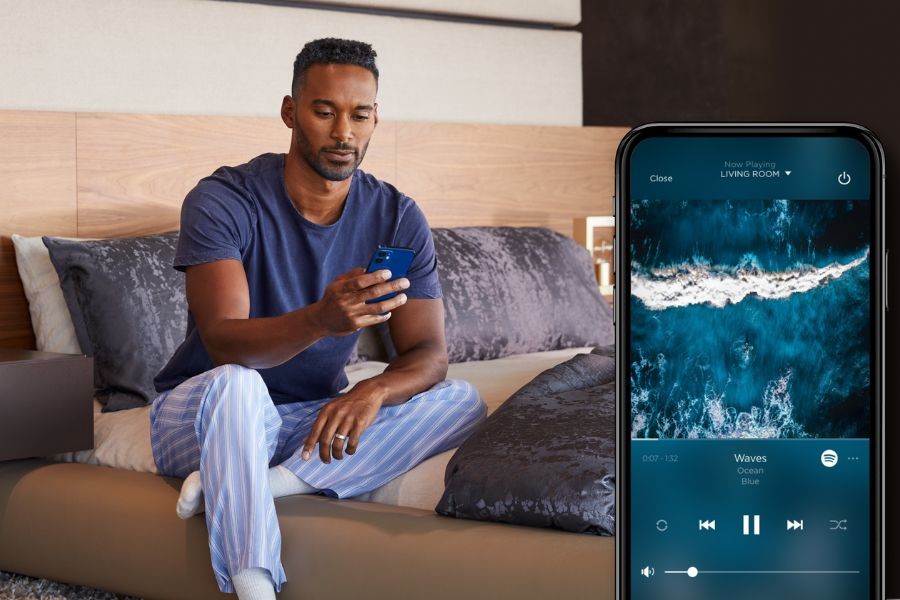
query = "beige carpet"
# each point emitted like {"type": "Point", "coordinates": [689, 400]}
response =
{"type": "Point", "coordinates": [20, 587]}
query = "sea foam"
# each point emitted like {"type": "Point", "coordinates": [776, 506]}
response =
{"type": "Point", "coordinates": [698, 282]}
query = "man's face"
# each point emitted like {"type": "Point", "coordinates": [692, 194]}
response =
{"type": "Point", "coordinates": [332, 116]}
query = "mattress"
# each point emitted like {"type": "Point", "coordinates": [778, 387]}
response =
{"type": "Point", "coordinates": [122, 439]}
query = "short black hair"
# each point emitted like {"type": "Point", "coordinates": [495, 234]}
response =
{"type": "Point", "coordinates": [333, 51]}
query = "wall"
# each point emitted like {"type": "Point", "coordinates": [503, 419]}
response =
{"type": "Point", "coordinates": [234, 58]}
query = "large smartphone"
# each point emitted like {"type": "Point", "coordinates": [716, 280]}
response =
{"type": "Point", "coordinates": [750, 306]}
{"type": "Point", "coordinates": [395, 259]}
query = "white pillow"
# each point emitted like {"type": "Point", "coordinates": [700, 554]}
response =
{"type": "Point", "coordinates": [50, 318]}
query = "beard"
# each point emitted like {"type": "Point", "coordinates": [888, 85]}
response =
{"type": "Point", "coordinates": [326, 168]}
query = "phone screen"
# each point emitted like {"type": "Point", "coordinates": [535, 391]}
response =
{"type": "Point", "coordinates": [749, 367]}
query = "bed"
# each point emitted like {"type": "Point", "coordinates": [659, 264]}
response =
{"type": "Point", "coordinates": [108, 521]}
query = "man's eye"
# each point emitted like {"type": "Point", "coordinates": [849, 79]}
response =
{"type": "Point", "coordinates": [361, 117]}
{"type": "Point", "coordinates": [323, 113]}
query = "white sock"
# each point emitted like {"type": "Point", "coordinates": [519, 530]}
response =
{"type": "Point", "coordinates": [284, 483]}
{"type": "Point", "coordinates": [190, 502]}
{"type": "Point", "coordinates": [254, 584]}
{"type": "Point", "coordinates": [281, 481]}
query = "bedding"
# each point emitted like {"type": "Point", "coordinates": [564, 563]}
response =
{"type": "Point", "coordinates": [122, 438]}
{"type": "Point", "coordinates": [50, 319]}
{"type": "Point", "coordinates": [515, 290]}
{"type": "Point", "coordinates": [519, 300]}
{"type": "Point", "coordinates": [128, 309]}
{"type": "Point", "coordinates": [52, 323]}
{"type": "Point", "coordinates": [546, 457]}
{"type": "Point", "coordinates": [548, 296]}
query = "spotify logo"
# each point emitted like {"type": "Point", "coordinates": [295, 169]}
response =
{"type": "Point", "coordinates": [829, 458]}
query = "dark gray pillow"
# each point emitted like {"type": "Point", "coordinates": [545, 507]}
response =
{"type": "Point", "coordinates": [368, 347]}
{"type": "Point", "coordinates": [128, 308]}
{"type": "Point", "coordinates": [546, 457]}
{"type": "Point", "coordinates": [513, 290]}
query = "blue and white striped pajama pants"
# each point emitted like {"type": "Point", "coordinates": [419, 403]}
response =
{"type": "Point", "coordinates": [224, 423]}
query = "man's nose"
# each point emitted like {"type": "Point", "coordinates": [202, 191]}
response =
{"type": "Point", "coordinates": [341, 130]}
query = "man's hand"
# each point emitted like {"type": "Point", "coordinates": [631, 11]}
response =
{"type": "Point", "coordinates": [343, 309]}
{"type": "Point", "coordinates": [348, 415]}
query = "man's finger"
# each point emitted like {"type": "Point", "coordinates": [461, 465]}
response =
{"type": "Point", "coordinates": [382, 289]}
{"type": "Point", "coordinates": [310, 442]}
{"type": "Point", "coordinates": [369, 320]}
{"type": "Point", "coordinates": [390, 304]}
{"type": "Point", "coordinates": [326, 438]}
{"type": "Point", "coordinates": [365, 280]}
{"type": "Point", "coordinates": [352, 273]}
{"type": "Point", "coordinates": [355, 435]}
{"type": "Point", "coordinates": [337, 443]}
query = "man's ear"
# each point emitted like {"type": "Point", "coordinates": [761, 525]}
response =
{"type": "Point", "coordinates": [287, 111]}
{"type": "Point", "coordinates": [375, 112]}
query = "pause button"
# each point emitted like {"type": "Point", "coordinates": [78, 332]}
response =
{"type": "Point", "coordinates": [747, 524]}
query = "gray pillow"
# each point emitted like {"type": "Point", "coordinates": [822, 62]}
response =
{"type": "Point", "coordinates": [368, 347]}
{"type": "Point", "coordinates": [546, 457]}
{"type": "Point", "coordinates": [128, 308]}
{"type": "Point", "coordinates": [513, 290]}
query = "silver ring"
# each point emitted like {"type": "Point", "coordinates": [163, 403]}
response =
{"type": "Point", "coordinates": [340, 437]}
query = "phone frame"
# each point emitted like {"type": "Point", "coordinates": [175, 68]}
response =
{"type": "Point", "coordinates": [878, 304]}
{"type": "Point", "coordinates": [373, 266]}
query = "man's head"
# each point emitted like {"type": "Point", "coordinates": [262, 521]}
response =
{"type": "Point", "coordinates": [332, 108]}
{"type": "Point", "coordinates": [332, 51]}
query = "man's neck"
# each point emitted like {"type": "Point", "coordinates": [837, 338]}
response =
{"type": "Point", "coordinates": [319, 200]}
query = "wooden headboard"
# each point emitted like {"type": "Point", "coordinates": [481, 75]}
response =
{"type": "Point", "coordinates": [114, 175]}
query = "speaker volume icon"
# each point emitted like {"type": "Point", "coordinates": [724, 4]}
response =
{"type": "Point", "coordinates": [829, 458]}
{"type": "Point", "coordinates": [648, 572]}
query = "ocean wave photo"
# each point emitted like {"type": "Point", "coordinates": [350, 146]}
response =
{"type": "Point", "coordinates": [749, 319]}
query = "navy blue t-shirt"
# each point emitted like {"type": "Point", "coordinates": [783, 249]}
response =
{"type": "Point", "coordinates": [245, 213]}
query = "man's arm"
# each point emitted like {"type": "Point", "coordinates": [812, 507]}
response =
{"type": "Point", "coordinates": [219, 300]}
{"type": "Point", "coordinates": [417, 330]}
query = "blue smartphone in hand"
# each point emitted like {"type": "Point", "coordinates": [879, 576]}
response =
{"type": "Point", "coordinates": [396, 260]}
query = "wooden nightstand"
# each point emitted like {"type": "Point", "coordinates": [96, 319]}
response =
{"type": "Point", "coordinates": [46, 403]}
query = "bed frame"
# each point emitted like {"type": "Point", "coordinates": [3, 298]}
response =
{"type": "Point", "coordinates": [113, 175]}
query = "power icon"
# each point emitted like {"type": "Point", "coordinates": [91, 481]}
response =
{"type": "Point", "coordinates": [844, 178]}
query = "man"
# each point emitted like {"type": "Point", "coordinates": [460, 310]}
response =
{"type": "Point", "coordinates": [272, 250]}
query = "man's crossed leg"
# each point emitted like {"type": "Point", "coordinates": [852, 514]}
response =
{"type": "Point", "coordinates": [238, 451]}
